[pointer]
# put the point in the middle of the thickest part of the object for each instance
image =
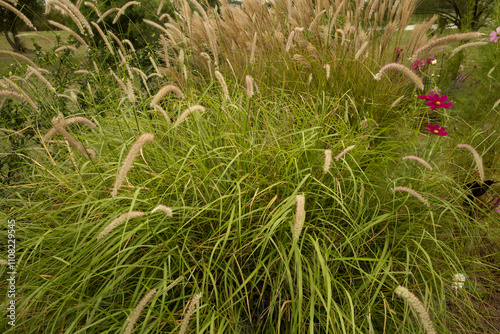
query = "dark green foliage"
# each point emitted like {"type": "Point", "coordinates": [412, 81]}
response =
{"type": "Point", "coordinates": [11, 24]}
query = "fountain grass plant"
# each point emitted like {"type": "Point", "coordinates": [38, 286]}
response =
{"type": "Point", "coordinates": [263, 231]}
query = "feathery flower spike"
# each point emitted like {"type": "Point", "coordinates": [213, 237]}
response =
{"type": "Point", "coordinates": [328, 161]}
{"type": "Point", "coordinates": [117, 221]}
{"type": "Point", "coordinates": [341, 154]}
{"type": "Point", "coordinates": [186, 113]}
{"type": "Point", "coordinates": [417, 307]}
{"type": "Point", "coordinates": [190, 310]}
{"type": "Point", "coordinates": [409, 74]}
{"type": "Point", "coordinates": [418, 159]}
{"type": "Point", "coordinates": [299, 216]}
{"type": "Point", "coordinates": [164, 209]}
{"type": "Point", "coordinates": [137, 311]}
{"type": "Point", "coordinates": [477, 158]}
{"type": "Point", "coordinates": [413, 193]}
{"type": "Point", "coordinates": [129, 160]}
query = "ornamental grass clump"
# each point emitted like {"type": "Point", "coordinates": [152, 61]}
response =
{"type": "Point", "coordinates": [129, 160]}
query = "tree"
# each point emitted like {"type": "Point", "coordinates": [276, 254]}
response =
{"type": "Point", "coordinates": [17, 15]}
{"type": "Point", "coordinates": [467, 15]}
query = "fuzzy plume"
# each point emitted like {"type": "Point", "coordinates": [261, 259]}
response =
{"type": "Point", "coordinates": [249, 84]}
{"type": "Point", "coordinates": [129, 160]}
{"type": "Point", "coordinates": [122, 9]}
{"type": "Point", "coordinates": [185, 114]}
{"type": "Point", "coordinates": [405, 71]}
{"type": "Point", "coordinates": [101, 33]}
{"type": "Point", "coordinates": [18, 13]}
{"type": "Point", "coordinates": [477, 158]}
{"type": "Point", "coordinates": [117, 221]}
{"type": "Point", "coordinates": [164, 209]}
{"type": "Point", "coordinates": [300, 216]}
{"type": "Point", "coordinates": [222, 82]}
{"type": "Point", "coordinates": [137, 311]}
{"type": "Point", "coordinates": [18, 56]}
{"type": "Point", "coordinates": [341, 154]}
{"type": "Point", "coordinates": [413, 193]}
{"type": "Point", "coordinates": [328, 161]}
{"type": "Point", "coordinates": [59, 125]}
{"type": "Point", "coordinates": [417, 307]}
{"type": "Point", "coordinates": [164, 91]}
{"type": "Point", "coordinates": [460, 37]}
{"type": "Point", "coordinates": [418, 159]}
{"type": "Point", "coordinates": [190, 310]}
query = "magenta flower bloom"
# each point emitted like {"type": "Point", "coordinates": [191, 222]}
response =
{"type": "Point", "coordinates": [436, 101]}
{"type": "Point", "coordinates": [418, 63]}
{"type": "Point", "coordinates": [436, 129]}
{"type": "Point", "coordinates": [495, 35]}
{"type": "Point", "coordinates": [429, 60]}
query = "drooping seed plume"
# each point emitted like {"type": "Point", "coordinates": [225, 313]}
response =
{"type": "Point", "coordinates": [460, 37]}
{"type": "Point", "coordinates": [185, 114]}
{"type": "Point", "coordinates": [101, 33]}
{"type": "Point", "coordinates": [465, 46]}
{"type": "Point", "coordinates": [405, 71]}
{"type": "Point", "coordinates": [59, 126]}
{"type": "Point", "coordinates": [222, 82]}
{"type": "Point", "coordinates": [117, 221]}
{"type": "Point", "coordinates": [344, 152]}
{"type": "Point", "coordinates": [477, 159]}
{"type": "Point", "coordinates": [129, 160]}
{"type": "Point", "coordinates": [164, 91]}
{"type": "Point", "coordinates": [413, 193]}
{"type": "Point", "coordinates": [254, 45]}
{"type": "Point", "coordinates": [300, 216]}
{"type": "Point", "coordinates": [328, 161]}
{"type": "Point", "coordinates": [418, 159]}
{"type": "Point", "coordinates": [190, 310]}
{"type": "Point", "coordinates": [417, 307]}
{"type": "Point", "coordinates": [138, 310]}
{"type": "Point", "coordinates": [249, 84]}
{"type": "Point", "coordinates": [18, 14]}
{"type": "Point", "coordinates": [122, 9]}
{"type": "Point", "coordinates": [18, 56]}
{"type": "Point", "coordinates": [106, 13]}
{"type": "Point", "coordinates": [163, 208]}
{"type": "Point", "coordinates": [22, 96]}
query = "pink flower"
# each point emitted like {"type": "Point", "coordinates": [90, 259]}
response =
{"type": "Point", "coordinates": [495, 35]}
{"type": "Point", "coordinates": [418, 63]}
{"type": "Point", "coordinates": [436, 129]}
{"type": "Point", "coordinates": [429, 60]}
{"type": "Point", "coordinates": [436, 101]}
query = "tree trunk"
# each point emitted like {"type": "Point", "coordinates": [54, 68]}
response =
{"type": "Point", "coordinates": [15, 42]}
{"type": "Point", "coordinates": [12, 44]}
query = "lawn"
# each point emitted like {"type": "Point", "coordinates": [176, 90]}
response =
{"type": "Point", "coordinates": [277, 168]}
